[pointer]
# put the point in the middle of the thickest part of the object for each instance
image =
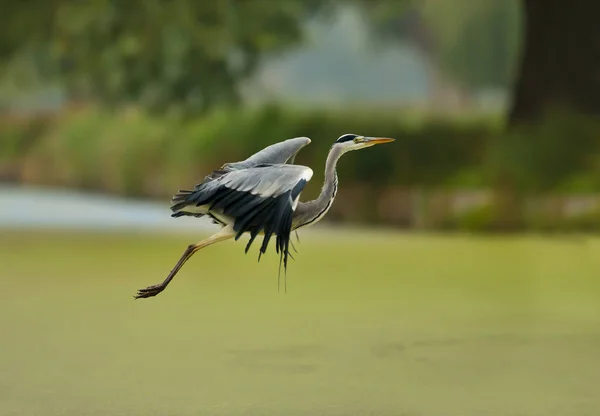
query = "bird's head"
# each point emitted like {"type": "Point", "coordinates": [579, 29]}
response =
{"type": "Point", "coordinates": [348, 142]}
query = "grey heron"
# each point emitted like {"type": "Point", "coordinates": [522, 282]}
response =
{"type": "Point", "coordinates": [260, 195]}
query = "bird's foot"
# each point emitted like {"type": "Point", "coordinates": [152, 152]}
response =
{"type": "Point", "coordinates": [149, 291]}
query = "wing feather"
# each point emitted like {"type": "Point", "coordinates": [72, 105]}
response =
{"type": "Point", "coordinates": [259, 199]}
{"type": "Point", "coordinates": [278, 153]}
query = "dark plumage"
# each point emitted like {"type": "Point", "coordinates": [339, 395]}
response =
{"type": "Point", "coordinates": [226, 200]}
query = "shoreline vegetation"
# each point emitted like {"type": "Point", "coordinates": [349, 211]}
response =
{"type": "Point", "coordinates": [441, 174]}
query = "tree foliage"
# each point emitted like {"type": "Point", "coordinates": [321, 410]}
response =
{"type": "Point", "coordinates": [473, 43]}
{"type": "Point", "coordinates": [197, 54]}
{"type": "Point", "coordinates": [194, 54]}
{"type": "Point", "coordinates": [478, 44]}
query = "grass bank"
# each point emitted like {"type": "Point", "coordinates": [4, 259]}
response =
{"type": "Point", "coordinates": [372, 324]}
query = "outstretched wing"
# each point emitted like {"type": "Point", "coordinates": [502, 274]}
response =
{"type": "Point", "coordinates": [278, 153]}
{"type": "Point", "coordinates": [259, 199]}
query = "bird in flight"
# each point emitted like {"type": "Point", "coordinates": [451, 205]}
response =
{"type": "Point", "coordinates": [260, 196]}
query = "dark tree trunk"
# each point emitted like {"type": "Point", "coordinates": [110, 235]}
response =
{"type": "Point", "coordinates": [560, 64]}
{"type": "Point", "coordinates": [559, 69]}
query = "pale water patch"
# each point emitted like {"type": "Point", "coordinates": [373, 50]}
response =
{"type": "Point", "coordinates": [47, 208]}
{"type": "Point", "coordinates": [30, 207]}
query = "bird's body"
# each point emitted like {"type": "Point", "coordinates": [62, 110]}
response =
{"type": "Point", "coordinates": [261, 196]}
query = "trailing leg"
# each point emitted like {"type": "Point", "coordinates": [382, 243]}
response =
{"type": "Point", "coordinates": [224, 234]}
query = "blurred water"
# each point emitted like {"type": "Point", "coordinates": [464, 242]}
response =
{"type": "Point", "coordinates": [25, 207]}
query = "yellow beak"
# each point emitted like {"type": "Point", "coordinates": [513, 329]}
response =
{"type": "Point", "coordinates": [378, 140]}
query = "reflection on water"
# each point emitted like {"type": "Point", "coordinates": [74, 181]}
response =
{"type": "Point", "coordinates": [41, 207]}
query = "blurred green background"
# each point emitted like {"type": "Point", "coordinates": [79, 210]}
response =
{"type": "Point", "coordinates": [455, 274]}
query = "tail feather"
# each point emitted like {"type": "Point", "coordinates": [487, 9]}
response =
{"type": "Point", "coordinates": [178, 204]}
{"type": "Point", "coordinates": [199, 194]}
{"type": "Point", "coordinates": [179, 201]}
{"type": "Point", "coordinates": [181, 196]}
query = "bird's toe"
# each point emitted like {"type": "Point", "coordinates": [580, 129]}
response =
{"type": "Point", "coordinates": [149, 291]}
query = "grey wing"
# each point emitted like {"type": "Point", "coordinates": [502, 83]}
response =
{"type": "Point", "coordinates": [278, 153]}
{"type": "Point", "coordinates": [260, 199]}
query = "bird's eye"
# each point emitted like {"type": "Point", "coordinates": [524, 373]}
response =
{"type": "Point", "coordinates": [357, 139]}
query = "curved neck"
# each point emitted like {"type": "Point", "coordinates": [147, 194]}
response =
{"type": "Point", "coordinates": [310, 212]}
{"type": "Point", "coordinates": [330, 181]}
